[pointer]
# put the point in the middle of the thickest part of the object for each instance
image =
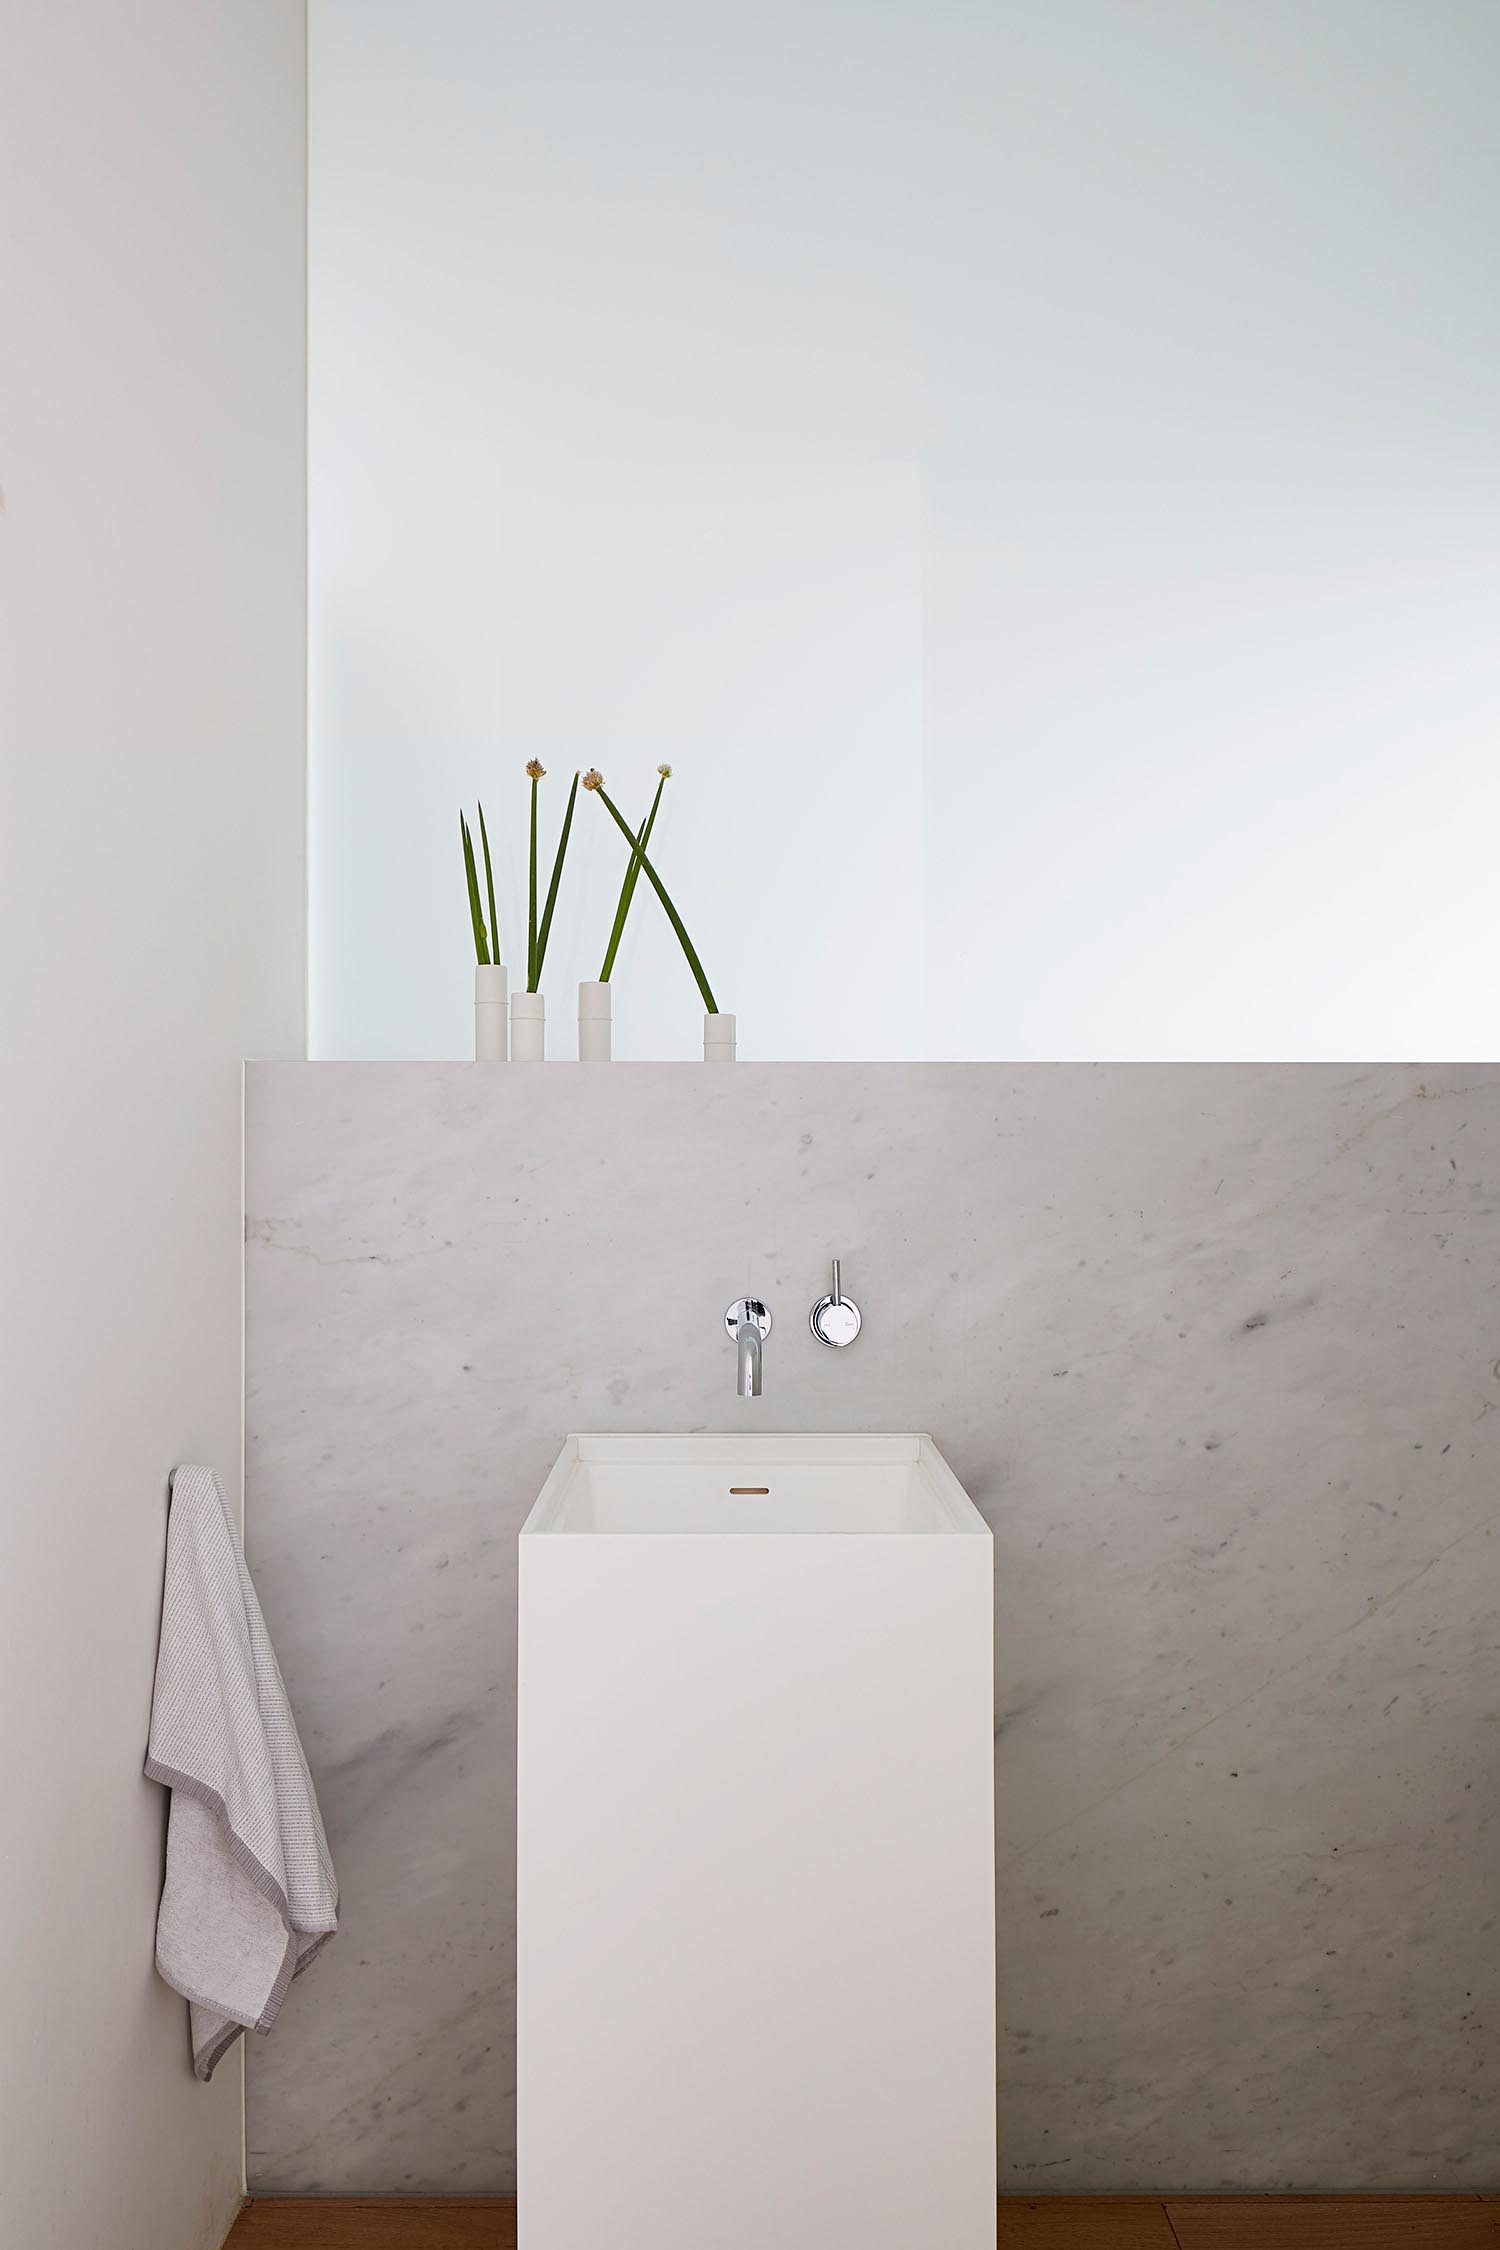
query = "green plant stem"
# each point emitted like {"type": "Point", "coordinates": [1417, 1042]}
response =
{"type": "Point", "coordinates": [557, 868]}
{"type": "Point", "coordinates": [627, 888]}
{"type": "Point", "coordinates": [476, 912]}
{"type": "Point", "coordinates": [670, 910]}
{"type": "Point", "coordinates": [489, 884]}
{"type": "Point", "coordinates": [531, 906]}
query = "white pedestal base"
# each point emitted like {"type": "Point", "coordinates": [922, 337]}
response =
{"type": "Point", "coordinates": [756, 1976]}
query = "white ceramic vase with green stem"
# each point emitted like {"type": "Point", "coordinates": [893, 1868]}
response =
{"type": "Point", "coordinates": [528, 1027]}
{"type": "Point", "coordinates": [491, 1012]}
{"type": "Point", "coordinates": [718, 1028]}
{"type": "Point", "coordinates": [594, 1026]}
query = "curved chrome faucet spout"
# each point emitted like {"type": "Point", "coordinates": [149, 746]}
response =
{"type": "Point", "coordinates": [746, 1323]}
{"type": "Point", "coordinates": [748, 1374]}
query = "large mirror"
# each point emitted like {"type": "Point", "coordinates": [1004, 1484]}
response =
{"type": "Point", "coordinates": [1029, 468]}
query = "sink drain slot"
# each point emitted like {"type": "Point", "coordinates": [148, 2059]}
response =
{"type": "Point", "coordinates": [749, 1491]}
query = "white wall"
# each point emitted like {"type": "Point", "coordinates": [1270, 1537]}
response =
{"type": "Point", "coordinates": [1033, 468]}
{"type": "Point", "coordinates": [151, 895]}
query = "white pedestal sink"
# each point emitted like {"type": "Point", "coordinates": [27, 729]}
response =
{"type": "Point", "coordinates": [756, 1967]}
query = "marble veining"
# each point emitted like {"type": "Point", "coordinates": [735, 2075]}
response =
{"type": "Point", "coordinates": [1214, 1348]}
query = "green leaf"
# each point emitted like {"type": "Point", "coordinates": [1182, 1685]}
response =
{"type": "Point", "coordinates": [531, 900]}
{"type": "Point", "coordinates": [476, 914]}
{"type": "Point", "coordinates": [557, 868]}
{"type": "Point", "coordinates": [627, 892]}
{"type": "Point", "coordinates": [671, 912]}
{"type": "Point", "coordinates": [489, 884]}
{"type": "Point", "coordinates": [627, 887]}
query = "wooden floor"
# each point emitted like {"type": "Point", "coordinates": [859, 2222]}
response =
{"type": "Point", "coordinates": [1190, 2222]}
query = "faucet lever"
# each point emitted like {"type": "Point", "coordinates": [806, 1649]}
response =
{"type": "Point", "coordinates": [835, 1319]}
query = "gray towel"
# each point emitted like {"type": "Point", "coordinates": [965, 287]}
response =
{"type": "Point", "coordinates": [250, 1894]}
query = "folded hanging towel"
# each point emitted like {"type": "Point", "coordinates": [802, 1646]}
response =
{"type": "Point", "coordinates": [250, 1894]}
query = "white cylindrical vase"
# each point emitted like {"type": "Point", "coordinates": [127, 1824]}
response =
{"type": "Point", "coordinates": [718, 1039]}
{"type": "Point", "coordinates": [528, 1027]}
{"type": "Point", "coordinates": [491, 1012]}
{"type": "Point", "coordinates": [593, 1022]}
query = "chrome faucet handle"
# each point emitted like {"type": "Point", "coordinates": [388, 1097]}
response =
{"type": "Point", "coordinates": [835, 1319]}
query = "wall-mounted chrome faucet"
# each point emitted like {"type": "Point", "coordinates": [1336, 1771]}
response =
{"type": "Point", "coordinates": [746, 1323]}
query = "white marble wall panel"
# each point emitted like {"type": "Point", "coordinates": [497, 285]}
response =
{"type": "Point", "coordinates": [1217, 1351]}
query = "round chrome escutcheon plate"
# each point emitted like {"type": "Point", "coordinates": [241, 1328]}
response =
{"type": "Point", "coordinates": [835, 1320]}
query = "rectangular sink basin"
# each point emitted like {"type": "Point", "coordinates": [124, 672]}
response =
{"type": "Point", "coordinates": [796, 1485]}
{"type": "Point", "coordinates": [755, 1966]}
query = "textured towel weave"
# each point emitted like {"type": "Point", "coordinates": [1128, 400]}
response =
{"type": "Point", "coordinates": [250, 1894]}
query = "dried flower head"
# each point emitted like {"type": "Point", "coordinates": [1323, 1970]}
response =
{"type": "Point", "coordinates": [665, 772]}
{"type": "Point", "coordinates": [593, 779]}
{"type": "Point", "coordinates": [535, 768]}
